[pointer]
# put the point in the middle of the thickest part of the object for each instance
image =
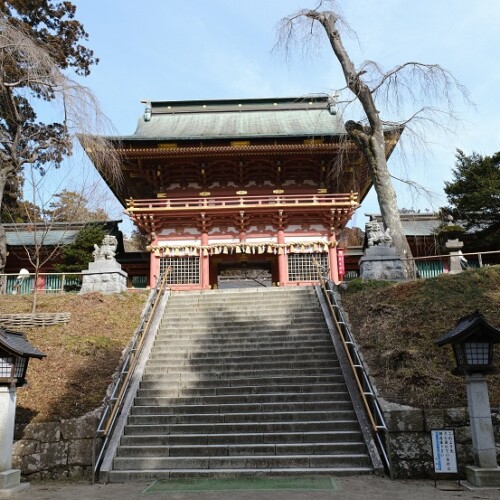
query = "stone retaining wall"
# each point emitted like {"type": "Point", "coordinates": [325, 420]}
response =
{"type": "Point", "coordinates": [410, 439]}
{"type": "Point", "coordinates": [60, 450]}
{"type": "Point", "coordinates": [55, 450]}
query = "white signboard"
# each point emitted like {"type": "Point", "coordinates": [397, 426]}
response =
{"type": "Point", "coordinates": [444, 451]}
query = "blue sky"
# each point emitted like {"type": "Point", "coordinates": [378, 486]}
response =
{"type": "Point", "coordinates": [205, 49]}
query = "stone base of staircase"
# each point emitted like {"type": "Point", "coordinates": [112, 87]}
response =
{"type": "Point", "coordinates": [241, 383]}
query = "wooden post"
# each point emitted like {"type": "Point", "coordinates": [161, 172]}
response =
{"type": "Point", "coordinates": [282, 261]}
{"type": "Point", "coordinates": [204, 264]}
{"type": "Point", "coordinates": [154, 271]}
{"type": "Point", "coordinates": [332, 260]}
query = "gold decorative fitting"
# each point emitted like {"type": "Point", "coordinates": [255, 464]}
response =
{"type": "Point", "coordinates": [161, 195]}
{"type": "Point", "coordinates": [204, 193]}
{"type": "Point", "coordinates": [322, 191]}
{"type": "Point", "coordinates": [241, 193]}
{"type": "Point", "coordinates": [278, 191]}
{"type": "Point", "coordinates": [240, 144]}
{"type": "Point", "coordinates": [167, 145]}
{"type": "Point", "coordinates": [312, 142]}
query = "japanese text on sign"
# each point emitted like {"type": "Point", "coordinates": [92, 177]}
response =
{"type": "Point", "coordinates": [444, 452]}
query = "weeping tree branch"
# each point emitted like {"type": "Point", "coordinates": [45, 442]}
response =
{"type": "Point", "coordinates": [30, 76]}
{"type": "Point", "coordinates": [410, 86]}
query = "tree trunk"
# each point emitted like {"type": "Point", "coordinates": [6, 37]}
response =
{"type": "Point", "coordinates": [370, 138]}
{"type": "Point", "coordinates": [3, 239]}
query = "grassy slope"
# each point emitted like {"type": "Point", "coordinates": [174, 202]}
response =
{"type": "Point", "coordinates": [397, 324]}
{"type": "Point", "coordinates": [81, 355]}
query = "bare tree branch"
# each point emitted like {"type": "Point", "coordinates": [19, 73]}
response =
{"type": "Point", "coordinates": [29, 75]}
{"type": "Point", "coordinates": [413, 93]}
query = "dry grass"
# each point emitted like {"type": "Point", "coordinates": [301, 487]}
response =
{"type": "Point", "coordinates": [81, 355]}
{"type": "Point", "coordinates": [396, 326]}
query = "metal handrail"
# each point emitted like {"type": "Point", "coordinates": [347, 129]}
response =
{"type": "Point", "coordinates": [365, 388]}
{"type": "Point", "coordinates": [114, 401]}
{"type": "Point", "coordinates": [447, 255]}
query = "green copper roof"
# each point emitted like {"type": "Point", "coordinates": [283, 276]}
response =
{"type": "Point", "coordinates": [44, 238]}
{"type": "Point", "coordinates": [239, 119]}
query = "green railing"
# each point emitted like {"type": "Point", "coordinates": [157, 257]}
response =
{"type": "Point", "coordinates": [24, 284]}
{"type": "Point", "coordinates": [435, 265]}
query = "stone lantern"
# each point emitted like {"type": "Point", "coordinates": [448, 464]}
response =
{"type": "Point", "coordinates": [473, 340]}
{"type": "Point", "coordinates": [15, 353]}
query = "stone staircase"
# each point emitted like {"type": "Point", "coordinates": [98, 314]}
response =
{"type": "Point", "coordinates": [241, 382]}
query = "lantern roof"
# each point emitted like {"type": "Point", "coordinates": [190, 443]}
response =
{"type": "Point", "coordinates": [16, 343]}
{"type": "Point", "coordinates": [469, 326]}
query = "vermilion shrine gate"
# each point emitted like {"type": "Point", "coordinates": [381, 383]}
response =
{"type": "Point", "coordinates": [234, 190]}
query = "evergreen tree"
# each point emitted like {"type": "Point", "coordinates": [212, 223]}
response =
{"type": "Point", "coordinates": [77, 255]}
{"type": "Point", "coordinates": [40, 40]}
{"type": "Point", "coordinates": [474, 196]}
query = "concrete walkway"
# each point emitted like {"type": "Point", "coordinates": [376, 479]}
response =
{"type": "Point", "coordinates": [348, 488]}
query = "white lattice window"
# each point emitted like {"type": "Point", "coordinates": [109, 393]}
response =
{"type": "Point", "coordinates": [185, 270]}
{"type": "Point", "coordinates": [301, 266]}
{"type": "Point", "coordinates": [6, 362]}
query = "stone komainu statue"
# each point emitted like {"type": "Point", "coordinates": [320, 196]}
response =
{"type": "Point", "coordinates": [107, 250]}
{"type": "Point", "coordinates": [376, 236]}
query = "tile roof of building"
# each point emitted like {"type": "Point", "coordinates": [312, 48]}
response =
{"type": "Point", "coordinates": [416, 224]}
{"type": "Point", "coordinates": [44, 238]}
{"type": "Point", "coordinates": [55, 233]}
{"type": "Point", "coordinates": [243, 118]}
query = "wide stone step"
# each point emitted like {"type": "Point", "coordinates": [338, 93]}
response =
{"type": "Point", "coordinates": [246, 348]}
{"type": "Point", "coordinates": [244, 295]}
{"type": "Point", "coordinates": [232, 323]}
{"type": "Point", "coordinates": [243, 399]}
{"type": "Point", "coordinates": [244, 298]}
{"type": "Point", "coordinates": [193, 353]}
{"type": "Point", "coordinates": [243, 408]}
{"type": "Point", "coordinates": [231, 418]}
{"type": "Point", "coordinates": [250, 317]}
{"type": "Point", "coordinates": [264, 309]}
{"type": "Point", "coordinates": [254, 335]}
{"type": "Point", "coordinates": [227, 343]}
{"type": "Point", "coordinates": [288, 300]}
{"type": "Point", "coordinates": [229, 366]}
{"type": "Point", "coordinates": [243, 462]}
{"type": "Point", "coordinates": [244, 427]}
{"type": "Point", "coordinates": [121, 476]}
{"type": "Point", "coordinates": [242, 438]}
{"type": "Point", "coordinates": [242, 449]}
{"type": "Point", "coordinates": [238, 375]}
{"type": "Point", "coordinates": [153, 390]}
{"type": "Point", "coordinates": [227, 386]}
{"type": "Point", "coordinates": [197, 358]}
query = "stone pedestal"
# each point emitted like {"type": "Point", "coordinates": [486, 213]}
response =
{"type": "Point", "coordinates": [483, 478]}
{"type": "Point", "coordinates": [454, 247]}
{"type": "Point", "coordinates": [10, 483]}
{"type": "Point", "coordinates": [104, 276]}
{"type": "Point", "coordinates": [381, 263]}
{"type": "Point", "coordinates": [485, 472]}
{"type": "Point", "coordinates": [10, 479]}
